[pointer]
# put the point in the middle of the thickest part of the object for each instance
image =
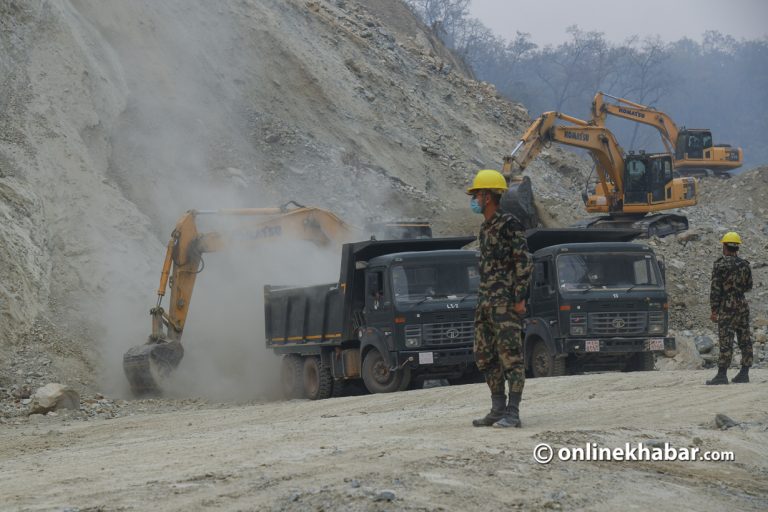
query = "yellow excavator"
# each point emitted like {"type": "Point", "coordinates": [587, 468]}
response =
{"type": "Point", "coordinates": [695, 154]}
{"type": "Point", "coordinates": [147, 365]}
{"type": "Point", "coordinates": [632, 189]}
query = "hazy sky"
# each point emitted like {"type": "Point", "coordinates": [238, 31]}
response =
{"type": "Point", "coordinates": [546, 20]}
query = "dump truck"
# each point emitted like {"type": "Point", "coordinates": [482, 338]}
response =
{"type": "Point", "coordinates": [401, 312]}
{"type": "Point", "coordinates": [597, 301]}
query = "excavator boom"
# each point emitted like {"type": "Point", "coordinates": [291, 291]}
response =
{"type": "Point", "coordinates": [693, 149]}
{"type": "Point", "coordinates": [147, 365]}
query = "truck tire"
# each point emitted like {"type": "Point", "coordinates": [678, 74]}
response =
{"type": "Point", "coordinates": [291, 377]}
{"type": "Point", "coordinates": [641, 362]}
{"type": "Point", "coordinates": [379, 378]}
{"type": "Point", "coordinates": [544, 363]}
{"type": "Point", "coordinates": [317, 379]}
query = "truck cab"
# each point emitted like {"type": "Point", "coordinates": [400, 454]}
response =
{"type": "Point", "coordinates": [598, 305]}
{"type": "Point", "coordinates": [418, 316]}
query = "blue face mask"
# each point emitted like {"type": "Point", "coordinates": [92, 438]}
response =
{"type": "Point", "coordinates": [475, 206]}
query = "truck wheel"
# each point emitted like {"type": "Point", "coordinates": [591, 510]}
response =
{"type": "Point", "coordinates": [291, 377]}
{"type": "Point", "coordinates": [317, 379]}
{"type": "Point", "coordinates": [544, 363]}
{"type": "Point", "coordinates": [379, 378]}
{"type": "Point", "coordinates": [641, 362]}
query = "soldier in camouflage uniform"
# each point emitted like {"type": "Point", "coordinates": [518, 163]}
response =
{"type": "Point", "coordinates": [504, 271]}
{"type": "Point", "coordinates": [731, 278]}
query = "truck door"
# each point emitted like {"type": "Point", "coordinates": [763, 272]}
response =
{"type": "Point", "coordinates": [378, 305]}
{"type": "Point", "coordinates": [543, 294]}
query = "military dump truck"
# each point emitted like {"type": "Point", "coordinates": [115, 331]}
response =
{"type": "Point", "coordinates": [402, 311]}
{"type": "Point", "coordinates": [596, 302]}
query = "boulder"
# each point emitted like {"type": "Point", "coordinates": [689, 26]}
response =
{"type": "Point", "coordinates": [704, 344]}
{"type": "Point", "coordinates": [52, 397]}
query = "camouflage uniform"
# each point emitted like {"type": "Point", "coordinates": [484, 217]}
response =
{"type": "Point", "coordinates": [505, 267]}
{"type": "Point", "coordinates": [731, 278]}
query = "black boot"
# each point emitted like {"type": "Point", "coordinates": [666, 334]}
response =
{"type": "Point", "coordinates": [742, 376]}
{"type": "Point", "coordinates": [720, 378]}
{"type": "Point", "coordinates": [512, 413]}
{"type": "Point", "coordinates": [497, 412]}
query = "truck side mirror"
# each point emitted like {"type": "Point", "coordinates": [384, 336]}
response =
{"type": "Point", "coordinates": [662, 269]}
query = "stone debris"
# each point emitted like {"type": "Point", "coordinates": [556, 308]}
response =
{"type": "Point", "coordinates": [53, 397]}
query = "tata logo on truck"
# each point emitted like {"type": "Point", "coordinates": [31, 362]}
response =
{"type": "Point", "coordinates": [577, 136]}
{"type": "Point", "coordinates": [633, 113]}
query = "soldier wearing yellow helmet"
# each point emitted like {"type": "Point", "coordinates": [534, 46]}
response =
{"type": "Point", "coordinates": [731, 279]}
{"type": "Point", "coordinates": [505, 267]}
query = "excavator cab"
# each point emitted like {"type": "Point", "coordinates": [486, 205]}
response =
{"type": "Point", "coordinates": [691, 143]}
{"type": "Point", "coordinates": [646, 177]}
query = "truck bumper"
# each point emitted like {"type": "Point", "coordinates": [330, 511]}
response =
{"type": "Point", "coordinates": [616, 345]}
{"type": "Point", "coordinates": [437, 361]}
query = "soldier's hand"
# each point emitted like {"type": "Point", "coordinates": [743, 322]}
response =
{"type": "Point", "coordinates": [520, 308]}
{"type": "Point", "coordinates": [713, 317]}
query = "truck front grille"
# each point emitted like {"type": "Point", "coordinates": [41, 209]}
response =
{"type": "Point", "coordinates": [618, 323]}
{"type": "Point", "coordinates": [449, 333]}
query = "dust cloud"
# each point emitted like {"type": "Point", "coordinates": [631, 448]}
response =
{"type": "Point", "coordinates": [176, 146]}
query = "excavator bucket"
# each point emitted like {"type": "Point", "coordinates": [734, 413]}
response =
{"type": "Point", "coordinates": [146, 366]}
{"type": "Point", "coordinates": [518, 200]}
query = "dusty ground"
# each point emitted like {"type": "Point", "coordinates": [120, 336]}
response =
{"type": "Point", "coordinates": [340, 454]}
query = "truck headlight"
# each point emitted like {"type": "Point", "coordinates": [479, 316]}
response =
{"type": "Point", "coordinates": [656, 322]}
{"type": "Point", "coordinates": [412, 342]}
{"type": "Point", "coordinates": [413, 336]}
{"type": "Point", "coordinates": [578, 325]}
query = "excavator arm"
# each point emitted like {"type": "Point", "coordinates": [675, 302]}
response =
{"type": "Point", "coordinates": [693, 150]}
{"type": "Point", "coordinates": [601, 144]}
{"type": "Point", "coordinates": [146, 365]}
{"type": "Point", "coordinates": [638, 113]}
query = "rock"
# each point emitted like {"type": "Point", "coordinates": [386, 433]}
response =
{"type": "Point", "coordinates": [688, 236]}
{"type": "Point", "coordinates": [52, 397]}
{"type": "Point", "coordinates": [386, 495]}
{"type": "Point", "coordinates": [704, 344]}
{"type": "Point", "coordinates": [679, 265]}
{"type": "Point", "coordinates": [723, 422]}
{"type": "Point", "coordinates": [687, 357]}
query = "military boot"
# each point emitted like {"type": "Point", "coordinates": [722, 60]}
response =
{"type": "Point", "coordinates": [742, 376]}
{"type": "Point", "coordinates": [720, 378]}
{"type": "Point", "coordinates": [497, 412]}
{"type": "Point", "coordinates": [512, 413]}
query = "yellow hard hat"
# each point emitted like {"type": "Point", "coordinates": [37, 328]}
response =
{"type": "Point", "coordinates": [488, 179]}
{"type": "Point", "coordinates": [731, 237]}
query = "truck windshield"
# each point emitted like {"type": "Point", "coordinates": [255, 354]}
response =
{"type": "Point", "coordinates": [615, 270]}
{"type": "Point", "coordinates": [417, 282]}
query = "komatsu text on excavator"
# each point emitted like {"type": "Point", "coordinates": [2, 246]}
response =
{"type": "Point", "coordinates": [694, 152]}
{"type": "Point", "coordinates": [632, 189]}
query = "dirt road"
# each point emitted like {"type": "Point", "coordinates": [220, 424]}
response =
{"type": "Point", "coordinates": [342, 454]}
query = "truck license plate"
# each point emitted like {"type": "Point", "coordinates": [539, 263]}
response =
{"type": "Point", "coordinates": [656, 344]}
{"type": "Point", "coordinates": [592, 345]}
{"type": "Point", "coordinates": [426, 358]}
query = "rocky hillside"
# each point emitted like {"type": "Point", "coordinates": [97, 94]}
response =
{"type": "Point", "coordinates": [119, 116]}
{"type": "Point", "coordinates": [116, 117]}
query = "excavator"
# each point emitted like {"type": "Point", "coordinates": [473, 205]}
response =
{"type": "Point", "coordinates": [694, 152]}
{"type": "Point", "coordinates": [147, 365]}
{"type": "Point", "coordinates": [632, 189]}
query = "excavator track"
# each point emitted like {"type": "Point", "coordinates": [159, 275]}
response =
{"type": "Point", "coordinates": [147, 366]}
